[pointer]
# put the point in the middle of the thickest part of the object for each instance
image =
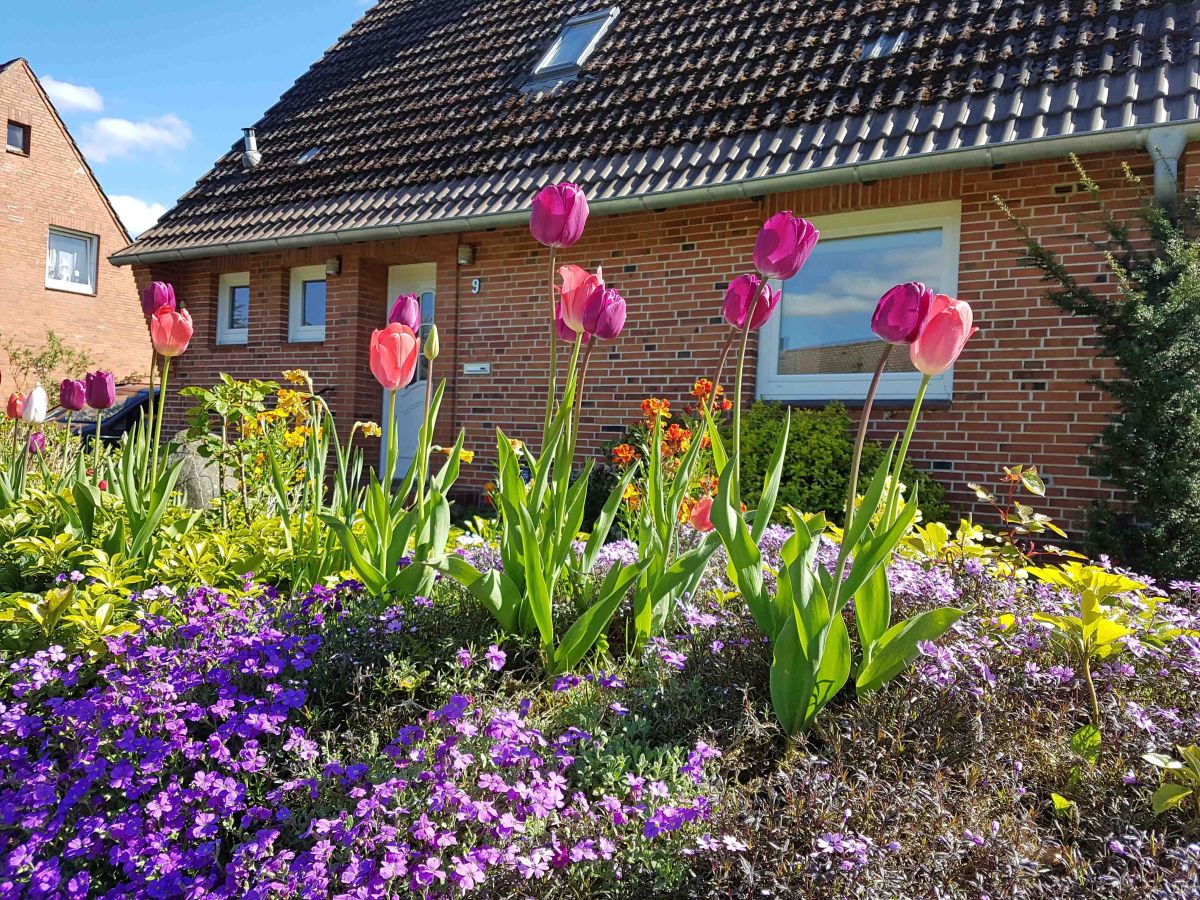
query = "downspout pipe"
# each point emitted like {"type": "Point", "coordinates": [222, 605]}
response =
{"type": "Point", "coordinates": [1166, 145]}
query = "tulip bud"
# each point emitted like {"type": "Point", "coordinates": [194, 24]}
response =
{"type": "Point", "coordinates": [16, 405]}
{"type": "Point", "coordinates": [432, 347]}
{"type": "Point", "coordinates": [155, 296]}
{"type": "Point", "coordinates": [407, 311]}
{"type": "Point", "coordinates": [72, 395]}
{"type": "Point", "coordinates": [604, 313]}
{"type": "Point", "coordinates": [100, 390]}
{"type": "Point", "coordinates": [36, 406]}
{"type": "Point", "coordinates": [37, 443]}
{"type": "Point", "coordinates": [943, 336]}
{"type": "Point", "coordinates": [170, 330]}
{"type": "Point", "coordinates": [783, 245]}
{"type": "Point", "coordinates": [901, 312]}
{"type": "Point", "coordinates": [741, 292]}
{"type": "Point", "coordinates": [559, 214]}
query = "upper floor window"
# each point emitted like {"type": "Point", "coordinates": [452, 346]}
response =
{"type": "Point", "coordinates": [306, 308]}
{"type": "Point", "coordinates": [233, 308]}
{"type": "Point", "coordinates": [573, 45]}
{"type": "Point", "coordinates": [17, 140]}
{"type": "Point", "coordinates": [820, 346]}
{"type": "Point", "coordinates": [71, 261]}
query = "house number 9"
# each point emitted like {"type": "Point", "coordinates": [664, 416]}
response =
{"type": "Point", "coordinates": [476, 283]}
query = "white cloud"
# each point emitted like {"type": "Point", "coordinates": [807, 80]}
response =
{"type": "Point", "coordinates": [107, 138]}
{"type": "Point", "coordinates": [69, 97]}
{"type": "Point", "coordinates": [137, 214]}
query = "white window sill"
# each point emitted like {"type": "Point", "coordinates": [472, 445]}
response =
{"type": "Point", "coordinates": [71, 287]}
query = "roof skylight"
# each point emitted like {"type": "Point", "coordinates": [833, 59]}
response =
{"type": "Point", "coordinates": [573, 45]}
{"type": "Point", "coordinates": [885, 45]}
{"type": "Point", "coordinates": [308, 155]}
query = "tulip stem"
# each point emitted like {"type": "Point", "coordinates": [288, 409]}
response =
{"type": "Point", "coordinates": [856, 463]}
{"type": "Point", "coordinates": [425, 442]}
{"type": "Point", "coordinates": [737, 406]}
{"type": "Point", "coordinates": [894, 487]}
{"type": "Point", "coordinates": [389, 458]}
{"type": "Point", "coordinates": [712, 397]}
{"type": "Point", "coordinates": [583, 368]}
{"type": "Point", "coordinates": [150, 405]}
{"type": "Point", "coordinates": [158, 420]}
{"type": "Point", "coordinates": [552, 385]}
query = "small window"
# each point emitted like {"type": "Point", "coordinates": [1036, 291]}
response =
{"type": "Point", "coordinates": [884, 45]}
{"type": "Point", "coordinates": [306, 311]}
{"type": "Point", "coordinates": [573, 45]}
{"type": "Point", "coordinates": [308, 155]}
{"type": "Point", "coordinates": [233, 308]}
{"type": "Point", "coordinates": [819, 346]}
{"type": "Point", "coordinates": [71, 261]}
{"type": "Point", "coordinates": [18, 138]}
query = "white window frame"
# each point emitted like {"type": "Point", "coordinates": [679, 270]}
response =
{"type": "Point", "coordinates": [852, 386]}
{"type": "Point", "coordinates": [93, 242]}
{"type": "Point", "coordinates": [297, 331]}
{"type": "Point", "coordinates": [26, 135]}
{"type": "Point", "coordinates": [226, 334]}
{"type": "Point", "coordinates": [542, 74]}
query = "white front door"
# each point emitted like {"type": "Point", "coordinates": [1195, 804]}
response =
{"type": "Point", "coordinates": [420, 279]}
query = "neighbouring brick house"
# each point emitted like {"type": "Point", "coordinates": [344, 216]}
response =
{"type": "Point", "coordinates": [57, 230]}
{"type": "Point", "coordinates": [406, 158]}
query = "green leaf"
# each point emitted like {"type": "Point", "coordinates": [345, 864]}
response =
{"type": "Point", "coordinates": [374, 580]}
{"type": "Point", "coordinates": [1033, 482]}
{"type": "Point", "coordinates": [792, 678]}
{"type": "Point", "coordinates": [494, 589]}
{"type": "Point", "coordinates": [1085, 743]}
{"type": "Point", "coordinates": [833, 669]}
{"type": "Point", "coordinates": [899, 645]}
{"type": "Point", "coordinates": [1169, 796]}
{"type": "Point", "coordinates": [1061, 804]}
{"type": "Point", "coordinates": [604, 522]}
{"type": "Point", "coordinates": [770, 491]}
{"type": "Point", "coordinates": [744, 556]}
{"type": "Point", "coordinates": [873, 611]}
{"type": "Point", "coordinates": [862, 516]}
{"type": "Point", "coordinates": [875, 551]}
{"type": "Point", "coordinates": [582, 634]}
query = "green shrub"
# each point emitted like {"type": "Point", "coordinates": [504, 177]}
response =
{"type": "Point", "coordinates": [817, 466]}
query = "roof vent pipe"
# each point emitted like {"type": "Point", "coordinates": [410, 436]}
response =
{"type": "Point", "coordinates": [1166, 145]}
{"type": "Point", "coordinates": [250, 155]}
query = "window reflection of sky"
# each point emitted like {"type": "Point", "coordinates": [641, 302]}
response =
{"type": "Point", "coordinates": [831, 300]}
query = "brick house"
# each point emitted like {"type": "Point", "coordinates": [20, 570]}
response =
{"type": "Point", "coordinates": [405, 160]}
{"type": "Point", "coordinates": [57, 232]}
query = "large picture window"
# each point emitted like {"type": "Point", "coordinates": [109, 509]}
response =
{"type": "Point", "coordinates": [819, 345]}
{"type": "Point", "coordinates": [71, 261]}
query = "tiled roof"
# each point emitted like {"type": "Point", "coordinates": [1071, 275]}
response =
{"type": "Point", "coordinates": [423, 126]}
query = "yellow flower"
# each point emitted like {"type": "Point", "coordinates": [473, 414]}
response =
{"type": "Point", "coordinates": [294, 439]}
{"type": "Point", "coordinates": [296, 376]}
{"type": "Point", "coordinates": [464, 455]}
{"type": "Point", "coordinates": [369, 429]}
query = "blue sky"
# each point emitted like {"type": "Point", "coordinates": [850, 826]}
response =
{"type": "Point", "coordinates": [154, 92]}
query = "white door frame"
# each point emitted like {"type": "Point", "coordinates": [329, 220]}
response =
{"type": "Point", "coordinates": [419, 279]}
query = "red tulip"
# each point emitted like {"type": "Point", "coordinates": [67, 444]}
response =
{"type": "Point", "coordinates": [564, 330]}
{"type": "Point", "coordinates": [559, 213]}
{"type": "Point", "coordinates": [170, 330]}
{"type": "Point", "coordinates": [16, 405]}
{"type": "Point", "coordinates": [72, 395]}
{"type": "Point", "coordinates": [407, 311]}
{"type": "Point", "coordinates": [738, 297]}
{"type": "Point", "coordinates": [901, 312]}
{"type": "Point", "coordinates": [943, 336]}
{"type": "Point", "coordinates": [577, 286]}
{"type": "Point", "coordinates": [604, 313]}
{"type": "Point", "coordinates": [394, 353]}
{"type": "Point", "coordinates": [157, 295]}
{"type": "Point", "coordinates": [783, 245]}
{"type": "Point", "coordinates": [701, 514]}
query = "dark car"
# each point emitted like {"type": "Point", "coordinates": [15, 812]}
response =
{"type": "Point", "coordinates": [133, 401]}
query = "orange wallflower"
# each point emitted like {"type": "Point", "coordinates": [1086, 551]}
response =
{"type": "Point", "coordinates": [654, 406]}
{"type": "Point", "coordinates": [624, 455]}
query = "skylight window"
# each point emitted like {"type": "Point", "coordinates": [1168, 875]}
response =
{"type": "Point", "coordinates": [308, 155]}
{"type": "Point", "coordinates": [573, 45]}
{"type": "Point", "coordinates": [885, 45]}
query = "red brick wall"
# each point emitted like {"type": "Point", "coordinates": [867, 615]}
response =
{"type": "Point", "coordinates": [52, 186]}
{"type": "Point", "coordinates": [1021, 391]}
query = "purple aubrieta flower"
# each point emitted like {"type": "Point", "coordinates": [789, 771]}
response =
{"type": "Point", "coordinates": [496, 658]}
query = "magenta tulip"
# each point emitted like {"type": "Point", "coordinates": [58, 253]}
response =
{"type": "Point", "coordinates": [406, 311]}
{"type": "Point", "coordinates": [901, 312]}
{"type": "Point", "coordinates": [604, 313]}
{"type": "Point", "coordinates": [157, 295]}
{"type": "Point", "coordinates": [943, 336]}
{"type": "Point", "coordinates": [559, 213]}
{"type": "Point", "coordinates": [100, 390]}
{"type": "Point", "coordinates": [740, 294]}
{"type": "Point", "coordinates": [37, 443]}
{"type": "Point", "coordinates": [565, 332]}
{"type": "Point", "coordinates": [72, 395]}
{"type": "Point", "coordinates": [783, 245]}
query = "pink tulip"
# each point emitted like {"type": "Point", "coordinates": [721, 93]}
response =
{"type": "Point", "coordinates": [394, 354]}
{"type": "Point", "coordinates": [564, 330]}
{"type": "Point", "coordinates": [157, 295]}
{"type": "Point", "coordinates": [559, 213]}
{"type": "Point", "coordinates": [943, 336]}
{"type": "Point", "coordinates": [738, 297]}
{"type": "Point", "coordinates": [72, 395]}
{"type": "Point", "coordinates": [783, 245]}
{"type": "Point", "coordinates": [604, 313]}
{"type": "Point", "coordinates": [701, 515]}
{"type": "Point", "coordinates": [16, 405]}
{"type": "Point", "coordinates": [901, 312]}
{"type": "Point", "coordinates": [170, 330]}
{"type": "Point", "coordinates": [577, 286]}
{"type": "Point", "coordinates": [407, 311]}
